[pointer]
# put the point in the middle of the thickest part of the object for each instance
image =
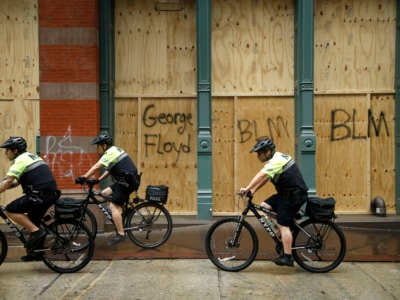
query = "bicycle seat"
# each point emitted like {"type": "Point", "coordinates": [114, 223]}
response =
{"type": "Point", "coordinates": [106, 197]}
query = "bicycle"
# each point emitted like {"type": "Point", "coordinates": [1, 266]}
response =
{"type": "Point", "coordinates": [66, 248]}
{"type": "Point", "coordinates": [146, 221]}
{"type": "Point", "coordinates": [231, 243]}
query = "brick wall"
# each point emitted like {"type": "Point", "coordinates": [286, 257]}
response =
{"type": "Point", "coordinates": [69, 75]}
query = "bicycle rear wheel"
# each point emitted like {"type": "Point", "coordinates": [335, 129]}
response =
{"type": "Point", "coordinates": [149, 225]}
{"type": "Point", "coordinates": [318, 246]}
{"type": "Point", "coordinates": [3, 247]}
{"type": "Point", "coordinates": [231, 245]}
{"type": "Point", "coordinates": [67, 247]}
{"type": "Point", "coordinates": [90, 222]}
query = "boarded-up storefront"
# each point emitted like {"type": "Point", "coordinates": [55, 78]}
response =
{"type": "Point", "coordinates": [253, 96]}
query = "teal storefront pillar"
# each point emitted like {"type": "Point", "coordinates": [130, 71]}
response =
{"type": "Point", "coordinates": [304, 91]}
{"type": "Point", "coordinates": [107, 65]}
{"type": "Point", "coordinates": [107, 69]}
{"type": "Point", "coordinates": [204, 140]}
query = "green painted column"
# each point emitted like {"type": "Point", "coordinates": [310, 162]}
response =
{"type": "Point", "coordinates": [304, 90]}
{"type": "Point", "coordinates": [107, 65]}
{"type": "Point", "coordinates": [397, 109]}
{"type": "Point", "coordinates": [204, 140]}
{"type": "Point", "coordinates": [107, 69]}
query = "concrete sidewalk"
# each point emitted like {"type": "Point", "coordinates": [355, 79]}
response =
{"type": "Point", "coordinates": [368, 238]}
{"type": "Point", "coordinates": [197, 279]}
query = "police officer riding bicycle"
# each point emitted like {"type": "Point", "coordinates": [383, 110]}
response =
{"type": "Point", "coordinates": [38, 185]}
{"type": "Point", "coordinates": [123, 171]}
{"type": "Point", "coordinates": [291, 189]}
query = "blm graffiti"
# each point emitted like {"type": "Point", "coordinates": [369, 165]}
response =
{"type": "Point", "coordinates": [343, 126]}
{"type": "Point", "coordinates": [346, 128]}
{"type": "Point", "coordinates": [271, 127]}
{"type": "Point", "coordinates": [178, 140]}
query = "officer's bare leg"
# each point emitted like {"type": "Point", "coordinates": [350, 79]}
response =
{"type": "Point", "coordinates": [22, 220]}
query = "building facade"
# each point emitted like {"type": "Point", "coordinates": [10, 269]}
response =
{"type": "Point", "coordinates": [187, 86]}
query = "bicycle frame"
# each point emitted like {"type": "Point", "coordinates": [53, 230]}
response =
{"type": "Point", "coordinates": [18, 232]}
{"type": "Point", "coordinates": [11, 225]}
{"type": "Point", "coordinates": [91, 198]}
{"type": "Point", "coordinates": [254, 208]}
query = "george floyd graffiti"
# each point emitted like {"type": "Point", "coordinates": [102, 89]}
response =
{"type": "Point", "coordinates": [179, 126]}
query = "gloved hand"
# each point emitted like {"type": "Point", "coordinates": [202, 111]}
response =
{"type": "Point", "coordinates": [246, 193]}
{"type": "Point", "coordinates": [94, 181]}
{"type": "Point", "coordinates": [80, 180]}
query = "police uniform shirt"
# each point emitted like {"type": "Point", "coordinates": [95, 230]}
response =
{"type": "Point", "coordinates": [284, 173]}
{"type": "Point", "coordinates": [117, 162]}
{"type": "Point", "coordinates": [32, 172]}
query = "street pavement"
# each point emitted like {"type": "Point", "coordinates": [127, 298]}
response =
{"type": "Point", "coordinates": [198, 279]}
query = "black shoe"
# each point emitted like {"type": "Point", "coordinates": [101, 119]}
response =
{"type": "Point", "coordinates": [118, 238]}
{"type": "Point", "coordinates": [284, 260]}
{"type": "Point", "coordinates": [31, 257]}
{"type": "Point", "coordinates": [34, 239]}
{"type": "Point", "coordinates": [77, 246]}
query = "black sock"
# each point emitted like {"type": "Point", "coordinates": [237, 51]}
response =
{"type": "Point", "coordinates": [288, 255]}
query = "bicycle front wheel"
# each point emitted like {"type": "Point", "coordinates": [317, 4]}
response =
{"type": "Point", "coordinates": [3, 247]}
{"type": "Point", "coordinates": [318, 246]}
{"type": "Point", "coordinates": [149, 225]}
{"type": "Point", "coordinates": [68, 246]}
{"type": "Point", "coordinates": [231, 245]}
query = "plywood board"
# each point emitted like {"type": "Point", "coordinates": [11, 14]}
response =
{"type": "Point", "coordinates": [161, 134]}
{"type": "Point", "coordinates": [343, 151]}
{"type": "Point", "coordinates": [126, 125]}
{"type": "Point", "coordinates": [223, 154]}
{"type": "Point", "coordinates": [155, 50]}
{"type": "Point", "coordinates": [19, 48]}
{"type": "Point", "coordinates": [252, 47]}
{"type": "Point", "coordinates": [354, 45]}
{"type": "Point", "coordinates": [19, 118]}
{"type": "Point", "coordinates": [382, 136]}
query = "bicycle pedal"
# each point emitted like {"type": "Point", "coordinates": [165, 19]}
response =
{"type": "Point", "coordinates": [79, 246]}
{"type": "Point", "coordinates": [39, 250]}
{"type": "Point", "coordinates": [227, 258]}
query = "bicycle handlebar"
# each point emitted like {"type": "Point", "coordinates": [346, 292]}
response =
{"type": "Point", "coordinates": [92, 194]}
{"type": "Point", "coordinates": [249, 195]}
{"type": "Point", "coordinates": [83, 180]}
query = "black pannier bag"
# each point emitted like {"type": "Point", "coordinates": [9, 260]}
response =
{"type": "Point", "coordinates": [320, 209]}
{"type": "Point", "coordinates": [68, 208]}
{"type": "Point", "coordinates": [158, 193]}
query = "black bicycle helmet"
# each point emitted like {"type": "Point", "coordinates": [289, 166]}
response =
{"type": "Point", "coordinates": [103, 138]}
{"type": "Point", "coordinates": [15, 142]}
{"type": "Point", "coordinates": [263, 144]}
